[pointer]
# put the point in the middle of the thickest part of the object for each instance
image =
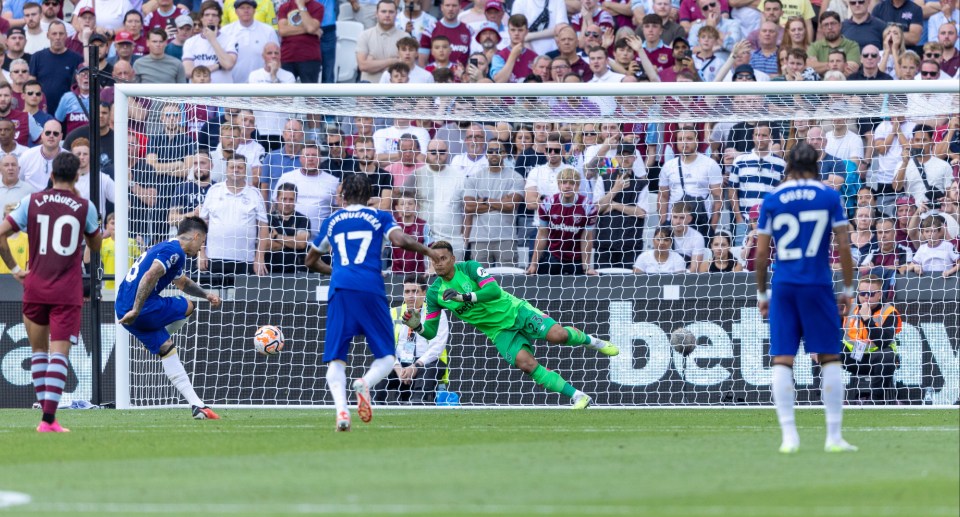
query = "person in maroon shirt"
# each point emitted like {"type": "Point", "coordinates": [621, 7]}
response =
{"type": "Point", "coordinates": [299, 22]}
{"type": "Point", "coordinates": [405, 261]}
{"type": "Point", "coordinates": [456, 31]}
{"type": "Point", "coordinates": [88, 26]}
{"type": "Point", "coordinates": [19, 118]}
{"type": "Point", "coordinates": [566, 223]}
{"type": "Point", "coordinates": [133, 23]}
{"type": "Point", "coordinates": [54, 220]}
{"type": "Point", "coordinates": [164, 17]}
{"type": "Point", "coordinates": [514, 63]}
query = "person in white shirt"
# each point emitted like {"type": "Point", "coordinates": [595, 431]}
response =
{"type": "Point", "coordinates": [407, 52]}
{"type": "Point", "coordinates": [474, 157]}
{"type": "Point", "coordinates": [316, 189]}
{"type": "Point", "coordinates": [438, 188]}
{"type": "Point", "coordinates": [936, 255]}
{"type": "Point", "coordinates": [8, 141]}
{"type": "Point", "coordinates": [611, 135]}
{"type": "Point", "coordinates": [239, 234]}
{"type": "Point", "coordinates": [386, 141]}
{"type": "Point", "coordinates": [37, 162]}
{"type": "Point", "coordinates": [36, 36]}
{"type": "Point", "coordinates": [211, 48]}
{"type": "Point", "coordinates": [597, 59]}
{"type": "Point", "coordinates": [846, 144]}
{"type": "Point", "coordinates": [687, 241]}
{"type": "Point", "coordinates": [661, 259]}
{"type": "Point", "coordinates": [12, 188]}
{"type": "Point", "coordinates": [270, 124]}
{"type": "Point", "coordinates": [81, 149]}
{"type": "Point", "coordinates": [692, 176]}
{"type": "Point", "coordinates": [544, 16]}
{"type": "Point", "coordinates": [110, 13]}
{"type": "Point", "coordinates": [251, 37]}
{"type": "Point", "coordinates": [927, 177]}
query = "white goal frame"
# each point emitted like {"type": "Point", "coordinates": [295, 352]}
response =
{"type": "Point", "coordinates": [123, 93]}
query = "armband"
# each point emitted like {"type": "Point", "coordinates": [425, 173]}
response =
{"type": "Point", "coordinates": [15, 269]}
{"type": "Point", "coordinates": [763, 296]}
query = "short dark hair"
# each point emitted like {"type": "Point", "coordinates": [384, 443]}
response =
{"type": "Point", "coordinates": [132, 11]}
{"type": "Point", "coordinates": [408, 42]}
{"type": "Point", "coordinates": [923, 128]}
{"type": "Point", "coordinates": [517, 20]}
{"type": "Point", "coordinates": [287, 187]}
{"type": "Point", "coordinates": [442, 245]}
{"type": "Point", "coordinates": [778, 2]}
{"type": "Point", "coordinates": [830, 14]}
{"type": "Point", "coordinates": [66, 167]}
{"type": "Point", "coordinates": [210, 4]}
{"type": "Point", "coordinates": [157, 31]}
{"type": "Point", "coordinates": [356, 189]}
{"type": "Point", "coordinates": [665, 231]}
{"type": "Point", "coordinates": [418, 279]}
{"type": "Point", "coordinates": [652, 19]}
{"type": "Point", "coordinates": [190, 224]}
{"type": "Point", "coordinates": [803, 159]}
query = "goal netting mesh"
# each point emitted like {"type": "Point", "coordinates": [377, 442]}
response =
{"type": "Point", "coordinates": [651, 247]}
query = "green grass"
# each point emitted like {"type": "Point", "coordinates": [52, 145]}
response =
{"type": "Point", "coordinates": [480, 462]}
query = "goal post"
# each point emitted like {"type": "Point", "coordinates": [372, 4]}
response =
{"type": "Point", "coordinates": [654, 318]}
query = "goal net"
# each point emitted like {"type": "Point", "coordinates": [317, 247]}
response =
{"type": "Point", "coordinates": [626, 210]}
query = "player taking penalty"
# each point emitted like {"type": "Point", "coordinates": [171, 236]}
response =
{"type": "Point", "coordinates": [465, 289]}
{"type": "Point", "coordinates": [802, 305]}
{"type": "Point", "coordinates": [358, 297]}
{"type": "Point", "coordinates": [152, 318]}
{"type": "Point", "coordinates": [52, 285]}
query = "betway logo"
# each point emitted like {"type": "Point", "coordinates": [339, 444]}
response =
{"type": "Point", "coordinates": [753, 334]}
{"type": "Point", "coordinates": [15, 364]}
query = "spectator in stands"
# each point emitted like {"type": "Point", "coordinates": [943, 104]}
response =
{"type": "Point", "coordinates": [133, 24]}
{"type": "Point", "coordinates": [164, 17]}
{"type": "Point", "coordinates": [157, 66]}
{"type": "Point", "coordinates": [767, 55]}
{"type": "Point", "coordinates": [438, 188]}
{"type": "Point", "coordinates": [862, 27]}
{"type": "Point", "coordinates": [671, 30]}
{"type": "Point", "coordinates": [289, 233]}
{"type": "Point", "coordinates": [48, 65]}
{"type": "Point", "coordinates": [870, 66]}
{"type": "Point", "coordinates": [730, 29]}
{"type": "Point", "coordinates": [862, 238]}
{"type": "Point", "coordinates": [251, 36]}
{"type": "Point", "coordinates": [922, 175]}
{"type": "Point", "coordinates": [888, 143]}
{"type": "Point", "coordinates": [566, 41]}
{"type": "Point", "coordinates": [12, 188]}
{"type": "Point", "coordinates": [102, 44]}
{"type": "Point", "coordinates": [908, 65]}
{"type": "Point", "coordinates": [387, 140]}
{"type": "Point", "coordinates": [81, 149]}
{"type": "Point", "coordinates": [491, 195]}
{"type": "Point", "coordinates": [37, 39]}
{"type": "Point", "coordinates": [377, 46]}
{"type": "Point", "coordinates": [421, 364]}
{"type": "Point", "coordinates": [887, 253]}
{"type": "Point", "coordinates": [541, 181]}
{"type": "Point", "coordinates": [16, 41]}
{"type": "Point", "coordinates": [363, 11]}
{"type": "Point", "coordinates": [316, 189]}
{"type": "Point", "coordinates": [845, 144]}
{"type": "Point", "coordinates": [752, 177]}
{"type": "Point", "coordinates": [263, 12]}
{"type": "Point", "coordinates": [772, 12]}
{"type": "Point", "coordinates": [893, 48]}
{"type": "Point", "coordinates": [8, 142]}
{"type": "Point", "coordinates": [18, 244]}
{"type": "Point", "coordinates": [123, 48]}
{"type": "Point", "coordinates": [20, 119]}
{"type": "Point", "coordinates": [86, 22]}
{"type": "Point", "coordinates": [721, 259]}
{"type": "Point", "coordinates": [211, 48]}
{"type": "Point", "coordinates": [19, 75]}
{"type": "Point", "coordinates": [410, 160]}
{"type": "Point", "coordinates": [239, 233]}
{"type": "Point", "coordinates": [474, 158]}
{"type": "Point", "coordinates": [184, 26]}
{"type": "Point", "coordinates": [661, 259]}
{"type": "Point", "coordinates": [691, 177]}
{"type": "Point", "coordinates": [687, 241]}
{"type": "Point", "coordinates": [660, 54]}
{"type": "Point", "coordinates": [189, 195]}
{"type": "Point", "coordinates": [908, 15]}
{"type": "Point", "coordinates": [830, 27]}
{"type": "Point", "coordinates": [105, 137]}
{"type": "Point", "coordinates": [833, 170]}
{"type": "Point", "coordinates": [514, 63]}
{"type": "Point", "coordinates": [405, 212]}
{"type": "Point", "coordinates": [407, 52]}
{"type": "Point", "coordinates": [869, 339]}
{"type": "Point", "coordinates": [171, 151]}
{"type": "Point", "coordinates": [620, 227]}
{"type": "Point", "coordinates": [414, 20]}
{"type": "Point", "coordinates": [544, 18]}
{"type": "Point", "coordinates": [457, 32]}
{"type": "Point", "coordinates": [36, 162]}
{"type": "Point", "coordinates": [147, 217]}
{"type": "Point", "coordinates": [936, 255]}
{"type": "Point", "coordinates": [947, 36]}
{"type": "Point", "coordinates": [74, 106]}
{"type": "Point", "coordinates": [229, 137]}
{"type": "Point", "coordinates": [565, 230]}
{"type": "Point", "coordinates": [366, 162]}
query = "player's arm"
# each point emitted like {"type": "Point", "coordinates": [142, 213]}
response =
{"type": "Point", "coordinates": [539, 245]}
{"type": "Point", "coordinates": [431, 323]}
{"type": "Point", "coordinates": [6, 230]}
{"type": "Point", "coordinates": [314, 261]}
{"type": "Point", "coordinates": [189, 287]}
{"type": "Point", "coordinates": [762, 260]}
{"type": "Point", "coordinates": [488, 288]}
{"type": "Point", "coordinates": [148, 282]}
{"type": "Point", "coordinates": [842, 234]}
{"type": "Point", "coordinates": [402, 240]}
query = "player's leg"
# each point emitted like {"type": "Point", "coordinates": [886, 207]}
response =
{"type": "Point", "coordinates": [64, 328]}
{"type": "Point", "coordinates": [39, 336]}
{"type": "Point", "coordinates": [785, 333]}
{"type": "Point", "coordinates": [515, 347]}
{"type": "Point", "coordinates": [822, 336]}
{"type": "Point", "coordinates": [538, 325]}
{"type": "Point", "coordinates": [377, 326]}
{"type": "Point", "coordinates": [336, 344]}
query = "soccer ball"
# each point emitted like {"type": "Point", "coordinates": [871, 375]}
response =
{"type": "Point", "coordinates": [268, 340]}
{"type": "Point", "coordinates": [683, 341]}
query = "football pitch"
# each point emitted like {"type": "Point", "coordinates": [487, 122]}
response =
{"type": "Point", "coordinates": [461, 462]}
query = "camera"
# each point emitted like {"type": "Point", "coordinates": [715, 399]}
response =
{"type": "Point", "coordinates": [212, 27]}
{"type": "Point", "coordinates": [474, 61]}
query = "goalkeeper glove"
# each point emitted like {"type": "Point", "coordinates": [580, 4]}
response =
{"type": "Point", "coordinates": [452, 294]}
{"type": "Point", "coordinates": [411, 319]}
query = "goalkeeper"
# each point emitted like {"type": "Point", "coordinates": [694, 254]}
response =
{"type": "Point", "coordinates": [466, 290]}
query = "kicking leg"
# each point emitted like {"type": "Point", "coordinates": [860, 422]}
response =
{"type": "Point", "coordinates": [831, 392]}
{"type": "Point", "coordinates": [379, 369]}
{"type": "Point", "coordinates": [180, 380]}
{"type": "Point", "coordinates": [574, 337]}
{"type": "Point", "coordinates": [550, 380]}
{"type": "Point", "coordinates": [783, 398]}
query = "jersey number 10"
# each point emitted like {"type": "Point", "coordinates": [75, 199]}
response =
{"type": "Point", "coordinates": [56, 240]}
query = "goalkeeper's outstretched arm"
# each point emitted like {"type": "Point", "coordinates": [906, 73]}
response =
{"type": "Point", "coordinates": [429, 326]}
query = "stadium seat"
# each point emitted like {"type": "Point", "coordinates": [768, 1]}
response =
{"type": "Point", "coordinates": [505, 270]}
{"type": "Point", "coordinates": [615, 271]}
{"type": "Point", "coordinates": [347, 34]}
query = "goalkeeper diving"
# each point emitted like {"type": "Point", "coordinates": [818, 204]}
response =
{"type": "Point", "coordinates": [467, 290]}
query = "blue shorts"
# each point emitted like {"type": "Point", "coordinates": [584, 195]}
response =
{"type": "Point", "coordinates": [150, 326]}
{"type": "Point", "coordinates": [350, 313]}
{"type": "Point", "coordinates": [804, 311]}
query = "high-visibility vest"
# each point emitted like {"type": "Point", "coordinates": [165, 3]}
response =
{"type": "Point", "coordinates": [400, 332]}
{"type": "Point", "coordinates": [855, 330]}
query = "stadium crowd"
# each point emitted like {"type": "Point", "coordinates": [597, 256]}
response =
{"type": "Point", "coordinates": [544, 197]}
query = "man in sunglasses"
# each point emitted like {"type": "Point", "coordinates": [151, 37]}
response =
{"type": "Point", "coordinates": [863, 27]}
{"type": "Point", "coordinates": [438, 188]}
{"type": "Point", "coordinates": [36, 162]}
{"type": "Point", "coordinates": [869, 66]}
{"type": "Point", "coordinates": [870, 347]}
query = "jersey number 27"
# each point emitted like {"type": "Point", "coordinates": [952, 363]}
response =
{"type": "Point", "coordinates": [820, 218]}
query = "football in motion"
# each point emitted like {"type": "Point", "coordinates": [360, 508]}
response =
{"type": "Point", "coordinates": [268, 340]}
